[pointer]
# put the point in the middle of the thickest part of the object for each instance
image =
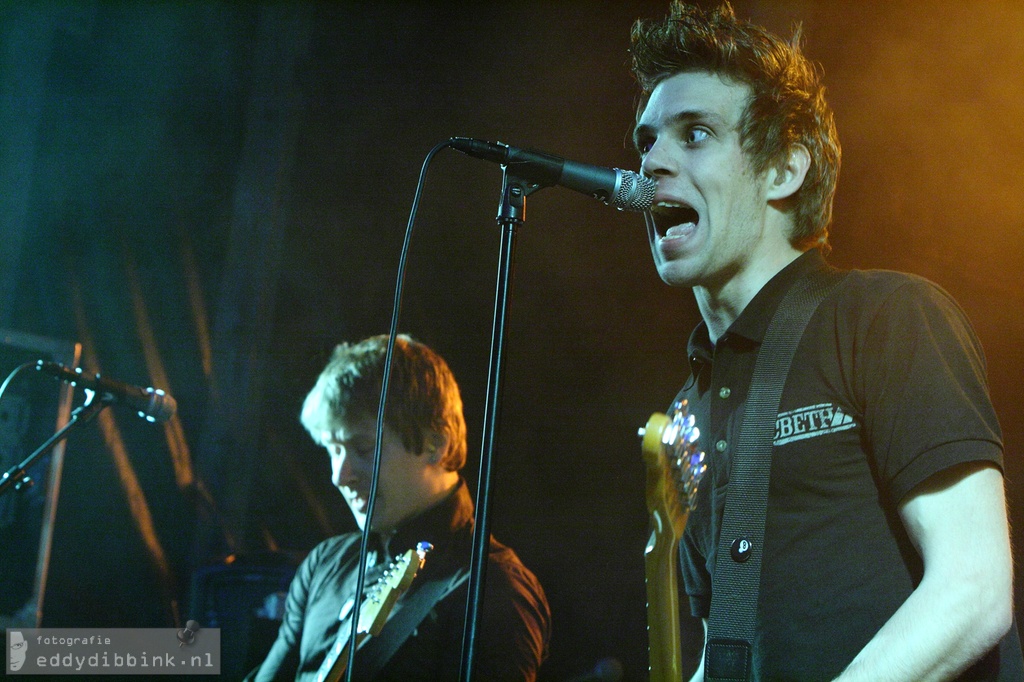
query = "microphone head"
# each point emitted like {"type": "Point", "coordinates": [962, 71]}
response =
{"type": "Point", "coordinates": [161, 406]}
{"type": "Point", "coordinates": [634, 193]}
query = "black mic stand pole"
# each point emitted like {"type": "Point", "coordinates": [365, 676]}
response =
{"type": "Point", "coordinates": [511, 214]}
{"type": "Point", "coordinates": [17, 476]}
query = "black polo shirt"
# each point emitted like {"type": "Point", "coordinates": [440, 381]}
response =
{"type": "Point", "coordinates": [887, 387]}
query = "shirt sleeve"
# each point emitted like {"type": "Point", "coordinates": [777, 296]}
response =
{"type": "Point", "coordinates": [514, 627]}
{"type": "Point", "coordinates": [515, 624]}
{"type": "Point", "coordinates": [924, 388]}
{"type": "Point", "coordinates": [282, 662]}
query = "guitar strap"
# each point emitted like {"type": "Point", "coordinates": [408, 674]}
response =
{"type": "Point", "coordinates": [736, 583]}
{"type": "Point", "coordinates": [415, 606]}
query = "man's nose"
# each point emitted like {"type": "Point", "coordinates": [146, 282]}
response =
{"type": "Point", "coordinates": [659, 161]}
{"type": "Point", "coordinates": [342, 472]}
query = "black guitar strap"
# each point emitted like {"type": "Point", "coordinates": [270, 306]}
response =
{"type": "Point", "coordinates": [736, 583]}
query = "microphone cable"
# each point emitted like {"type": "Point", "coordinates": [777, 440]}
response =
{"type": "Point", "coordinates": [385, 380]}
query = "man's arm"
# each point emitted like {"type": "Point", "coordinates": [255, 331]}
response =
{"type": "Point", "coordinates": [282, 661]}
{"type": "Point", "coordinates": [964, 604]}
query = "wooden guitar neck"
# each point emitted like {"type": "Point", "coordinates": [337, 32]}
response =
{"type": "Point", "coordinates": [674, 468]}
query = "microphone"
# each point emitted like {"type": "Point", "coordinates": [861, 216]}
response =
{"type": "Point", "coordinates": [625, 190]}
{"type": "Point", "coordinates": [152, 404]}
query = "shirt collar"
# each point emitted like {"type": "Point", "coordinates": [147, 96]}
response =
{"type": "Point", "coordinates": [435, 525]}
{"type": "Point", "coordinates": [753, 322]}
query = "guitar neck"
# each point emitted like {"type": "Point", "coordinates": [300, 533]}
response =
{"type": "Point", "coordinates": [339, 654]}
{"type": "Point", "coordinates": [374, 611]}
{"type": "Point", "coordinates": [668, 515]}
{"type": "Point", "coordinates": [661, 564]}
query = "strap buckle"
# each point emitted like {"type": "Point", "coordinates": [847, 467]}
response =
{"type": "Point", "coordinates": [727, 660]}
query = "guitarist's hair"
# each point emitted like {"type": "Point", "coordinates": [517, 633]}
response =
{"type": "Point", "coordinates": [423, 396]}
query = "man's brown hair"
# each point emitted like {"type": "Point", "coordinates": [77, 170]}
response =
{"type": "Point", "coordinates": [422, 395]}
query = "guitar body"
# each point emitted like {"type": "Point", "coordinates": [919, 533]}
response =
{"type": "Point", "coordinates": [674, 468]}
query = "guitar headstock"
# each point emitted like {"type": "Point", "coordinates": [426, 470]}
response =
{"type": "Point", "coordinates": [397, 578]}
{"type": "Point", "coordinates": [674, 466]}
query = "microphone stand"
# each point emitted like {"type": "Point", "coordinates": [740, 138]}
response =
{"type": "Point", "coordinates": [511, 214]}
{"type": "Point", "coordinates": [17, 476]}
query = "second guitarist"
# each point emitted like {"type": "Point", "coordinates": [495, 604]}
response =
{"type": "Point", "coordinates": [420, 497]}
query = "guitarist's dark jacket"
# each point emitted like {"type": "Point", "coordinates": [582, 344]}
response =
{"type": "Point", "coordinates": [515, 619]}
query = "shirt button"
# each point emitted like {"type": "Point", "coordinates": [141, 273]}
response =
{"type": "Point", "coordinates": [721, 446]}
{"type": "Point", "coordinates": [724, 392]}
{"type": "Point", "coordinates": [740, 550]}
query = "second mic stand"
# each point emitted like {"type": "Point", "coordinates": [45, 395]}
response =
{"type": "Point", "coordinates": [511, 214]}
{"type": "Point", "coordinates": [17, 477]}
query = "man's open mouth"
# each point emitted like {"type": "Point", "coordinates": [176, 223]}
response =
{"type": "Point", "coordinates": [668, 214]}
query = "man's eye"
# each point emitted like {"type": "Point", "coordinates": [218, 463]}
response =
{"type": "Point", "coordinates": [644, 146]}
{"type": "Point", "coordinates": [696, 135]}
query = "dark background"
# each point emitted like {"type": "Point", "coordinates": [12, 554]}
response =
{"type": "Point", "coordinates": [208, 196]}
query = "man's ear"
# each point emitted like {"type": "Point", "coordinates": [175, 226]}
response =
{"type": "Point", "coordinates": [435, 446]}
{"type": "Point", "coordinates": [785, 179]}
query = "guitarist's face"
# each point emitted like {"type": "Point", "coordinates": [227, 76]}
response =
{"type": "Point", "coordinates": [407, 480]}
